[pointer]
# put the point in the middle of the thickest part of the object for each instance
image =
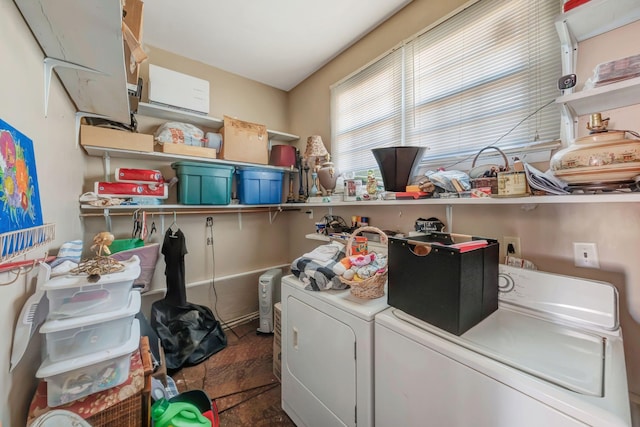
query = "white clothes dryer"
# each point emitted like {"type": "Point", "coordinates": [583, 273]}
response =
{"type": "Point", "coordinates": [551, 355]}
{"type": "Point", "coordinates": [327, 356]}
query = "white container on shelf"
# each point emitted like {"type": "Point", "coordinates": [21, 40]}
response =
{"type": "Point", "coordinates": [73, 295]}
{"type": "Point", "coordinates": [72, 379]}
{"type": "Point", "coordinates": [77, 336]}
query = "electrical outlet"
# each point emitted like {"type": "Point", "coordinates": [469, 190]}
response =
{"type": "Point", "coordinates": [585, 255]}
{"type": "Point", "coordinates": [512, 246]}
{"type": "Point", "coordinates": [209, 241]}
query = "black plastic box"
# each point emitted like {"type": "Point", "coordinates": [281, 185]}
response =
{"type": "Point", "coordinates": [450, 288]}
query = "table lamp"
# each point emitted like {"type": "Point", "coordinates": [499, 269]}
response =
{"type": "Point", "coordinates": [315, 149]}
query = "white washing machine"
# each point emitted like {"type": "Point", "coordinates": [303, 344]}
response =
{"type": "Point", "coordinates": [551, 355]}
{"type": "Point", "coordinates": [327, 356]}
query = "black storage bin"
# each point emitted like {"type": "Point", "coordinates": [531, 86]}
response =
{"type": "Point", "coordinates": [450, 288]}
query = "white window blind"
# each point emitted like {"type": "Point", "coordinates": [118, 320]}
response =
{"type": "Point", "coordinates": [461, 86]}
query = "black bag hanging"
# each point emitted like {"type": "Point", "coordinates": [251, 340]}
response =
{"type": "Point", "coordinates": [189, 333]}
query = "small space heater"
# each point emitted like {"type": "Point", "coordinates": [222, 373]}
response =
{"type": "Point", "coordinates": [268, 295]}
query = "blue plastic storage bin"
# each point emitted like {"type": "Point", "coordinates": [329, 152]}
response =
{"type": "Point", "coordinates": [259, 186]}
{"type": "Point", "coordinates": [203, 183]}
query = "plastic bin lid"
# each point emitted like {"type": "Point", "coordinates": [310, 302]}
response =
{"type": "Point", "coordinates": [130, 309]}
{"type": "Point", "coordinates": [257, 169]}
{"type": "Point", "coordinates": [174, 165]}
{"type": "Point", "coordinates": [51, 369]}
{"type": "Point", "coordinates": [131, 272]}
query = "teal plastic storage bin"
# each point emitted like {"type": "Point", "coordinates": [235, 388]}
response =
{"type": "Point", "coordinates": [259, 186]}
{"type": "Point", "coordinates": [203, 183]}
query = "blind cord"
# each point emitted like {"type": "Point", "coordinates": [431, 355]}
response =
{"type": "Point", "coordinates": [504, 135]}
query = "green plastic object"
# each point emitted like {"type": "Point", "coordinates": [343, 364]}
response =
{"type": "Point", "coordinates": [177, 414]}
{"type": "Point", "coordinates": [203, 184]}
{"type": "Point", "coordinates": [120, 245]}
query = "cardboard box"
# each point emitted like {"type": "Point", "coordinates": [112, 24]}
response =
{"type": "Point", "coordinates": [244, 141]}
{"type": "Point", "coordinates": [111, 138]}
{"type": "Point", "coordinates": [187, 150]}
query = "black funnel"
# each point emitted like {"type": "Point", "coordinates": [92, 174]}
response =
{"type": "Point", "coordinates": [397, 165]}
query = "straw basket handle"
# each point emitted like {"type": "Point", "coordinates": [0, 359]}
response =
{"type": "Point", "coordinates": [504, 156]}
{"type": "Point", "coordinates": [383, 236]}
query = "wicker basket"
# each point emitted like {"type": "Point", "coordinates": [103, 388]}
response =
{"type": "Point", "coordinates": [478, 181]}
{"type": "Point", "coordinates": [373, 287]}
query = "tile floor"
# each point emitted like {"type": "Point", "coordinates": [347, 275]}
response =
{"type": "Point", "coordinates": [240, 380]}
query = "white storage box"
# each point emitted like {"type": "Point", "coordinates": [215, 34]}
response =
{"type": "Point", "coordinates": [73, 295]}
{"type": "Point", "coordinates": [173, 89]}
{"type": "Point", "coordinates": [75, 378]}
{"type": "Point", "coordinates": [77, 336]}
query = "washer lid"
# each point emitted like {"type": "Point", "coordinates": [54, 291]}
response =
{"type": "Point", "coordinates": [568, 357]}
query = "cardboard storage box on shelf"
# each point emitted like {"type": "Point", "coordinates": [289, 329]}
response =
{"type": "Point", "coordinates": [96, 136]}
{"type": "Point", "coordinates": [244, 141]}
{"type": "Point", "coordinates": [187, 150]}
{"type": "Point", "coordinates": [452, 286]}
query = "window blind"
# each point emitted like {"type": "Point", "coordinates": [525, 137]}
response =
{"type": "Point", "coordinates": [460, 86]}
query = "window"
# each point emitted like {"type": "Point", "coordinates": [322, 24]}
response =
{"type": "Point", "coordinates": [486, 76]}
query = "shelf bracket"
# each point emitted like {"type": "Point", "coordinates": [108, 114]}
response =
{"type": "Point", "coordinates": [569, 47]}
{"type": "Point", "coordinates": [449, 215]}
{"type": "Point", "coordinates": [240, 220]}
{"type": "Point", "coordinates": [107, 219]}
{"type": "Point", "coordinates": [275, 214]}
{"type": "Point", "coordinates": [106, 165]}
{"type": "Point", "coordinates": [49, 65]}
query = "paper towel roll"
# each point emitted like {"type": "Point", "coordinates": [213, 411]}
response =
{"type": "Point", "coordinates": [214, 140]}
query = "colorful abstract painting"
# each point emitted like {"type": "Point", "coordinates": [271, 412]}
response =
{"type": "Point", "coordinates": [19, 194]}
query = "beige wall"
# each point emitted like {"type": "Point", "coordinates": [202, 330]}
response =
{"type": "Point", "coordinates": [249, 242]}
{"type": "Point", "coordinates": [243, 243]}
{"type": "Point", "coordinates": [547, 232]}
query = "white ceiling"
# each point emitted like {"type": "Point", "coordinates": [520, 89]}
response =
{"type": "Point", "coordinates": [275, 42]}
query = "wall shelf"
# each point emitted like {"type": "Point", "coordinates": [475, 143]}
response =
{"type": "Point", "coordinates": [599, 16]}
{"type": "Point", "coordinates": [531, 200]}
{"type": "Point", "coordinates": [172, 114]}
{"type": "Point", "coordinates": [588, 20]}
{"type": "Point", "coordinates": [106, 153]}
{"type": "Point", "coordinates": [607, 97]}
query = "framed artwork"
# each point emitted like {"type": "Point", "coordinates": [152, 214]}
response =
{"type": "Point", "coordinates": [19, 194]}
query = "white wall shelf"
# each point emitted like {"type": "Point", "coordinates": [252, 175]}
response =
{"type": "Point", "coordinates": [599, 16]}
{"type": "Point", "coordinates": [107, 153]}
{"type": "Point", "coordinates": [607, 97]}
{"type": "Point", "coordinates": [166, 113]}
{"type": "Point", "coordinates": [588, 20]}
{"type": "Point", "coordinates": [531, 200]}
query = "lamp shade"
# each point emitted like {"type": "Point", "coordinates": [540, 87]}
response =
{"type": "Point", "coordinates": [315, 147]}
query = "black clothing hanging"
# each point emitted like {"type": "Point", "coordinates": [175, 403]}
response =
{"type": "Point", "coordinates": [189, 333]}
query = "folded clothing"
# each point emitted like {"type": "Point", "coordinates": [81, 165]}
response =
{"type": "Point", "coordinates": [321, 274]}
